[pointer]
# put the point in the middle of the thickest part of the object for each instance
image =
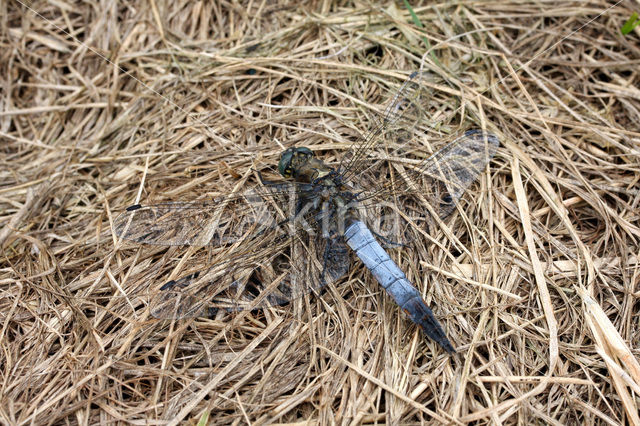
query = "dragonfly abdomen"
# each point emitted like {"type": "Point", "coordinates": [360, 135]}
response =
{"type": "Point", "coordinates": [394, 281]}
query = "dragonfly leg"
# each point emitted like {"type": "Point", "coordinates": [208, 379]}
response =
{"type": "Point", "coordinates": [266, 182]}
{"type": "Point", "coordinates": [388, 241]}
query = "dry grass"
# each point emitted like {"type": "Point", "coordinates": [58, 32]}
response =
{"type": "Point", "coordinates": [536, 280]}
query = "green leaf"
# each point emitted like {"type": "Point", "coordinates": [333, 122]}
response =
{"type": "Point", "coordinates": [630, 24]}
{"type": "Point", "coordinates": [414, 17]}
{"type": "Point", "coordinates": [418, 23]}
{"type": "Point", "coordinates": [204, 418]}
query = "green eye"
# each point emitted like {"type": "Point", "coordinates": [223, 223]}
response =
{"type": "Point", "coordinates": [305, 151]}
{"type": "Point", "coordinates": [284, 166]}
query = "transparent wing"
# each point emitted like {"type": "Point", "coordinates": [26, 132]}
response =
{"type": "Point", "coordinates": [406, 111]}
{"type": "Point", "coordinates": [278, 268]}
{"type": "Point", "coordinates": [390, 167]}
{"type": "Point", "coordinates": [436, 184]}
{"type": "Point", "coordinates": [221, 221]}
{"type": "Point", "coordinates": [272, 255]}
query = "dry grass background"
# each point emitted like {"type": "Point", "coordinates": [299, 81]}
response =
{"type": "Point", "coordinates": [536, 279]}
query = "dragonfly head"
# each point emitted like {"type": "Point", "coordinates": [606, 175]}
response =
{"type": "Point", "coordinates": [292, 160]}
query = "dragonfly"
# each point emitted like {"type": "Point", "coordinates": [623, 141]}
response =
{"type": "Point", "coordinates": [277, 240]}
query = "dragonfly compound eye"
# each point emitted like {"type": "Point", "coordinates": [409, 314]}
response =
{"type": "Point", "coordinates": [304, 151]}
{"type": "Point", "coordinates": [284, 166]}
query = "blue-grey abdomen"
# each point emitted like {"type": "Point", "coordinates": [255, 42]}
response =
{"type": "Point", "coordinates": [361, 240]}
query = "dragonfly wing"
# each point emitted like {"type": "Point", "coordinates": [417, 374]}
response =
{"type": "Point", "coordinates": [450, 171]}
{"type": "Point", "coordinates": [168, 223]}
{"type": "Point", "coordinates": [391, 160]}
{"type": "Point", "coordinates": [256, 278]}
{"type": "Point", "coordinates": [221, 221]}
{"type": "Point", "coordinates": [407, 110]}
{"type": "Point", "coordinates": [282, 268]}
{"type": "Point", "coordinates": [433, 186]}
{"type": "Point", "coordinates": [272, 255]}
